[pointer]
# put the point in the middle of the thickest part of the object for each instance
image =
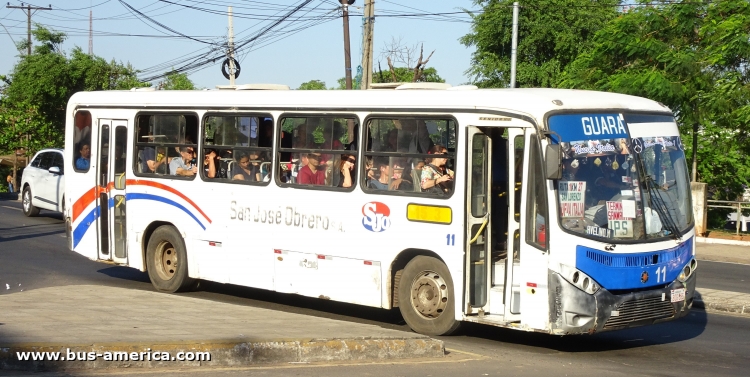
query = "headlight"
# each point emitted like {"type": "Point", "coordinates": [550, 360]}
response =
{"type": "Point", "coordinates": [687, 271]}
{"type": "Point", "coordinates": [579, 279]}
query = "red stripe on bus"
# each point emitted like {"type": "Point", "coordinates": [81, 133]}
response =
{"type": "Point", "coordinates": [80, 205]}
{"type": "Point", "coordinates": [166, 188]}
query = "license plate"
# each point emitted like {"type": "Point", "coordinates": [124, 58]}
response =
{"type": "Point", "coordinates": [678, 295]}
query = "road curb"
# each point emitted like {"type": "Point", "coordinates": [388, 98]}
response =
{"type": "Point", "coordinates": [722, 241]}
{"type": "Point", "coordinates": [229, 354]}
{"type": "Point", "coordinates": [728, 307]}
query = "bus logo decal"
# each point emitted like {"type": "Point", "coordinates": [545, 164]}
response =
{"type": "Point", "coordinates": [376, 217]}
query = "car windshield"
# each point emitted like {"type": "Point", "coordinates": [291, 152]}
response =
{"type": "Point", "coordinates": [622, 188]}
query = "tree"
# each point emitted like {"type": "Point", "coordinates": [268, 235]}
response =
{"type": "Point", "coordinates": [36, 93]}
{"type": "Point", "coordinates": [176, 81]}
{"type": "Point", "coordinates": [551, 34]}
{"type": "Point", "coordinates": [403, 74]}
{"type": "Point", "coordinates": [412, 69]}
{"type": "Point", "coordinates": [312, 85]}
{"type": "Point", "coordinates": [693, 57]}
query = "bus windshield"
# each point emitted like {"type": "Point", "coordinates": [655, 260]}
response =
{"type": "Point", "coordinates": [624, 188]}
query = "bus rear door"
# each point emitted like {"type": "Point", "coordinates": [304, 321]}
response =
{"type": "Point", "coordinates": [110, 183]}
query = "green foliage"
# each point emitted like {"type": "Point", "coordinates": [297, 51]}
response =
{"type": "Point", "coordinates": [312, 85]}
{"type": "Point", "coordinates": [51, 41]}
{"type": "Point", "coordinates": [551, 34]}
{"type": "Point", "coordinates": [36, 93]}
{"type": "Point", "coordinates": [693, 57]}
{"type": "Point", "coordinates": [404, 74]}
{"type": "Point", "coordinates": [177, 81]}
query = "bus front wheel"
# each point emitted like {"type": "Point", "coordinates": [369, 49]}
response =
{"type": "Point", "coordinates": [426, 298]}
{"type": "Point", "coordinates": [166, 261]}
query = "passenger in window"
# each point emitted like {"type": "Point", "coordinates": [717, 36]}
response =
{"type": "Point", "coordinates": [182, 165]}
{"type": "Point", "coordinates": [391, 142]}
{"type": "Point", "coordinates": [384, 179]}
{"type": "Point", "coordinates": [311, 174]}
{"type": "Point", "coordinates": [436, 178]}
{"type": "Point", "coordinates": [84, 152]}
{"type": "Point", "coordinates": [332, 132]}
{"type": "Point", "coordinates": [265, 137]}
{"type": "Point", "coordinates": [399, 181]}
{"type": "Point", "coordinates": [209, 163]}
{"type": "Point", "coordinates": [346, 170]}
{"type": "Point", "coordinates": [247, 167]}
{"type": "Point", "coordinates": [152, 160]}
{"type": "Point", "coordinates": [420, 141]}
{"type": "Point", "coordinates": [369, 168]}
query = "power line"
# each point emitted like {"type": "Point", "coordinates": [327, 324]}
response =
{"type": "Point", "coordinates": [160, 24]}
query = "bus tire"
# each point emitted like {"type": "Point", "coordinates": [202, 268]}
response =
{"type": "Point", "coordinates": [425, 297]}
{"type": "Point", "coordinates": [166, 261]}
{"type": "Point", "coordinates": [28, 209]}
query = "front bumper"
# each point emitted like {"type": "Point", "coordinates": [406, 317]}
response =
{"type": "Point", "coordinates": [573, 311]}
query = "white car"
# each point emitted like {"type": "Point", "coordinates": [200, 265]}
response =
{"type": "Point", "coordinates": [43, 183]}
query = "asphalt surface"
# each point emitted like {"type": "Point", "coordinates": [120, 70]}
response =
{"type": "Point", "coordinates": [33, 255]}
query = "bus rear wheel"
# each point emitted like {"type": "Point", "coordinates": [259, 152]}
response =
{"type": "Point", "coordinates": [166, 261]}
{"type": "Point", "coordinates": [426, 298]}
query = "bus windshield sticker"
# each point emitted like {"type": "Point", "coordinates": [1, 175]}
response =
{"type": "Point", "coordinates": [622, 228]}
{"type": "Point", "coordinates": [614, 211]}
{"type": "Point", "coordinates": [572, 198]}
{"type": "Point", "coordinates": [628, 209]}
{"type": "Point", "coordinates": [594, 230]}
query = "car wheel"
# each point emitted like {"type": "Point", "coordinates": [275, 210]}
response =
{"type": "Point", "coordinates": [28, 208]}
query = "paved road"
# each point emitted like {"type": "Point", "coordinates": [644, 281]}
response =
{"type": "Point", "coordinates": [33, 254]}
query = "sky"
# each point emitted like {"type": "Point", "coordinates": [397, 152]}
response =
{"type": "Point", "coordinates": [158, 35]}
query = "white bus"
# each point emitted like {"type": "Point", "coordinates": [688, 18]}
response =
{"type": "Point", "coordinates": [556, 211]}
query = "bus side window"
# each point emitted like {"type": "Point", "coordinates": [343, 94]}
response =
{"type": "Point", "coordinates": [163, 140]}
{"type": "Point", "coordinates": [410, 155]}
{"type": "Point", "coordinates": [315, 147]}
{"type": "Point", "coordinates": [536, 210]}
{"type": "Point", "coordinates": [81, 141]}
{"type": "Point", "coordinates": [237, 148]}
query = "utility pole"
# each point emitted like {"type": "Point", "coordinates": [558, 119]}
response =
{"type": "Point", "coordinates": [91, 33]}
{"type": "Point", "coordinates": [367, 36]}
{"type": "Point", "coordinates": [28, 9]}
{"type": "Point", "coordinates": [347, 55]}
{"type": "Point", "coordinates": [231, 48]}
{"type": "Point", "coordinates": [514, 46]}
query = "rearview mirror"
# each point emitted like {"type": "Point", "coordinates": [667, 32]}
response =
{"type": "Point", "coordinates": [553, 161]}
{"type": "Point", "coordinates": [55, 170]}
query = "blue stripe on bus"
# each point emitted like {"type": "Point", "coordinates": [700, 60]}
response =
{"type": "Point", "coordinates": [139, 196]}
{"type": "Point", "coordinates": [624, 271]}
{"type": "Point", "coordinates": [94, 214]}
{"type": "Point", "coordinates": [84, 225]}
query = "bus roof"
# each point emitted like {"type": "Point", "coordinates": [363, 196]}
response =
{"type": "Point", "coordinates": [532, 101]}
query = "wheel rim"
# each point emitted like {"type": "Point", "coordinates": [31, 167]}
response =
{"type": "Point", "coordinates": [26, 201]}
{"type": "Point", "coordinates": [429, 294]}
{"type": "Point", "coordinates": [166, 260]}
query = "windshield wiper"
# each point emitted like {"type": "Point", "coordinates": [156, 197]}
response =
{"type": "Point", "coordinates": [655, 200]}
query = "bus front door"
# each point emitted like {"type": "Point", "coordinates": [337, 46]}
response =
{"type": "Point", "coordinates": [512, 286]}
{"type": "Point", "coordinates": [110, 183]}
{"type": "Point", "coordinates": [478, 227]}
